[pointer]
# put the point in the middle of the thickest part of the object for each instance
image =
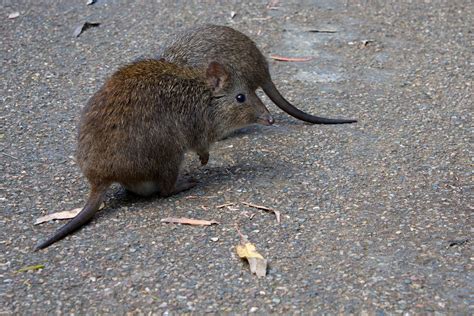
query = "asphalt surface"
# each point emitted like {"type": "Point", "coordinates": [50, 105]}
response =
{"type": "Point", "coordinates": [376, 216]}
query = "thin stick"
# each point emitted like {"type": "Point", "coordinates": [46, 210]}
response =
{"type": "Point", "coordinates": [291, 59]}
{"type": "Point", "coordinates": [9, 156]}
{"type": "Point", "coordinates": [224, 205]}
{"type": "Point", "coordinates": [243, 240]}
{"type": "Point", "coordinates": [258, 206]}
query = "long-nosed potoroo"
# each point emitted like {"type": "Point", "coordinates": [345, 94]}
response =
{"type": "Point", "coordinates": [137, 127]}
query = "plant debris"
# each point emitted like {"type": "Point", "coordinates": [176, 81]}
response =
{"type": "Point", "coordinates": [248, 214]}
{"type": "Point", "coordinates": [458, 242]}
{"type": "Point", "coordinates": [246, 250]}
{"type": "Point", "coordinates": [61, 215]}
{"type": "Point", "coordinates": [14, 15]}
{"type": "Point", "coordinates": [12, 157]}
{"type": "Point", "coordinates": [224, 205]}
{"type": "Point", "coordinates": [84, 26]}
{"type": "Point", "coordinates": [366, 42]}
{"type": "Point", "coordinates": [31, 268]}
{"type": "Point", "coordinates": [193, 197]}
{"type": "Point", "coordinates": [264, 208]}
{"type": "Point", "coordinates": [322, 31]}
{"type": "Point", "coordinates": [189, 221]}
{"type": "Point", "coordinates": [292, 59]}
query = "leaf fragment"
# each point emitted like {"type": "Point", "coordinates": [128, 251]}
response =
{"type": "Point", "coordinates": [248, 250]}
{"type": "Point", "coordinates": [267, 209]}
{"type": "Point", "coordinates": [322, 31]}
{"type": "Point", "coordinates": [31, 268]}
{"type": "Point", "coordinates": [84, 26]}
{"type": "Point", "coordinates": [458, 242]}
{"type": "Point", "coordinates": [257, 263]}
{"type": "Point", "coordinates": [61, 215]}
{"type": "Point", "coordinates": [367, 42]}
{"type": "Point", "coordinates": [292, 59]}
{"type": "Point", "coordinates": [189, 221]}
{"type": "Point", "coordinates": [14, 15]}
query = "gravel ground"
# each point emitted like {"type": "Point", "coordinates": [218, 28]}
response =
{"type": "Point", "coordinates": [376, 216]}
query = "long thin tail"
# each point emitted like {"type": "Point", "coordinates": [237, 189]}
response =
{"type": "Point", "coordinates": [87, 213]}
{"type": "Point", "coordinates": [286, 106]}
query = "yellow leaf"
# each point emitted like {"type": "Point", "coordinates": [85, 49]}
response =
{"type": "Point", "coordinates": [248, 250]}
{"type": "Point", "coordinates": [257, 263]}
{"type": "Point", "coordinates": [31, 268]}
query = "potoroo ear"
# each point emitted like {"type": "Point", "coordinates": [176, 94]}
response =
{"type": "Point", "coordinates": [216, 76]}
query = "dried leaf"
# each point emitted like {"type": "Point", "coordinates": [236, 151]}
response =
{"type": "Point", "coordinates": [257, 263]}
{"type": "Point", "coordinates": [31, 268]}
{"type": "Point", "coordinates": [14, 15]}
{"type": "Point", "coordinates": [366, 42]}
{"type": "Point", "coordinates": [61, 215]}
{"type": "Point", "coordinates": [322, 31]}
{"type": "Point", "coordinates": [58, 215]}
{"type": "Point", "coordinates": [248, 250]}
{"type": "Point", "coordinates": [294, 59]}
{"type": "Point", "coordinates": [84, 26]}
{"type": "Point", "coordinates": [258, 266]}
{"type": "Point", "coordinates": [458, 242]}
{"type": "Point", "coordinates": [264, 208]}
{"type": "Point", "coordinates": [189, 221]}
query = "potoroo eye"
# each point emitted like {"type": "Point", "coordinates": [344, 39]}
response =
{"type": "Point", "coordinates": [240, 98]}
